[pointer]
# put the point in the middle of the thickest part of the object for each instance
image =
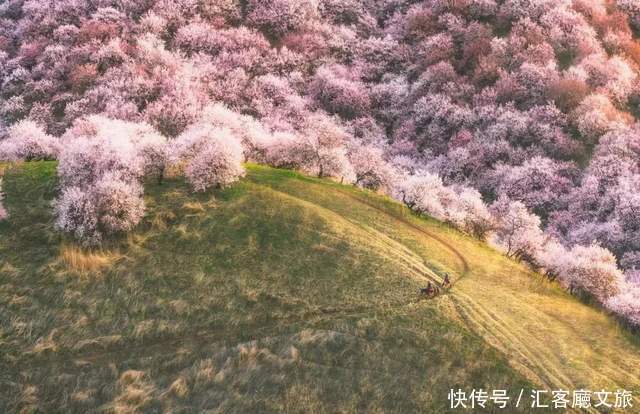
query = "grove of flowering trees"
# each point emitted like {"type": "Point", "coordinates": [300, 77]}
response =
{"type": "Point", "coordinates": [514, 121]}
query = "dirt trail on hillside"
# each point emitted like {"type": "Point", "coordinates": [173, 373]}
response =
{"type": "Point", "coordinates": [482, 321]}
{"type": "Point", "coordinates": [533, 356]}
{"type": "Point", "coordinates": [465, 264]}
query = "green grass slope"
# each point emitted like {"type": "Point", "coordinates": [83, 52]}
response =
{"type": "Point", "coordinates": [282, 293]}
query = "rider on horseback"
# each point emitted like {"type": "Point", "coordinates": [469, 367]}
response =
{"type": "Point", "coordinates": [430, 291]}
{"type": "Point", "coordinates": [446, 283]}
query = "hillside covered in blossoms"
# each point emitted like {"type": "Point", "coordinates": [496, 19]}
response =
{"type": "Point", "coordinates": [514, 121]}
{"type": "Point", "coordinates": [317, 205]}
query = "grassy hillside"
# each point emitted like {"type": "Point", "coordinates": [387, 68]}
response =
{"type": "Point", "coordinates": [282, 293]}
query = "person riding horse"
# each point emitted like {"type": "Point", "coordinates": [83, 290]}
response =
{"type": "Point", "coordinates": [446, 283]}
{"type": "Point", "coordinates": [430, 290]}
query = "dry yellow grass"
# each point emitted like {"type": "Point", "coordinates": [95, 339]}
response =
{"type": "Point", "coordinates": [86, 261]}
{"type": "Point", "coordinates": [135, 393]}
{"type": "Point", "coordinates": [194, 207]}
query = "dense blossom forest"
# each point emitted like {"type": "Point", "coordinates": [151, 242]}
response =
{"type": "Point", "coordinates": [512, 120]}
